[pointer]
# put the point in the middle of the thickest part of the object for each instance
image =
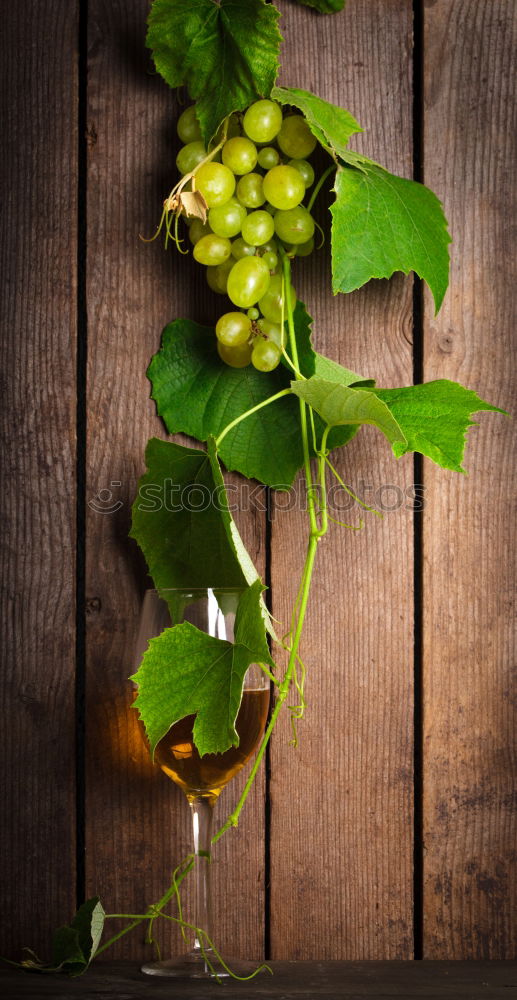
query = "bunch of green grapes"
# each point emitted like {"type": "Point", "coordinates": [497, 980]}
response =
{"type": "Point", "coordinates": [254, 187]}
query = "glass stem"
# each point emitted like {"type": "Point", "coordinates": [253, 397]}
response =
{"type": "Point", "coordinates": [202, 814]}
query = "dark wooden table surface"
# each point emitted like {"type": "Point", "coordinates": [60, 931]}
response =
{"type": "Point", "coordinates": [343, 980]}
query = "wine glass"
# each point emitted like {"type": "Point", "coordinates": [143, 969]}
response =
{"type": "Point", "coordinates": [202, 778]}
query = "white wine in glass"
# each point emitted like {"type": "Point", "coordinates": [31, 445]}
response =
{"type": "Point", "coordinates": [203, 777]}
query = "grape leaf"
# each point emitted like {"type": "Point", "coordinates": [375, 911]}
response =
{"type": "Point", "coordinates": [75, 944]}
{"type": "Point", "coordinates": [182, 524]}
{"type": "Point", "coordinates": [199, 395]}
{"type": "Point", "coordinates": [339, 404]}
{"type": "Point", "coordinates": [434, 418]}
{"type": "Point", "coordinates": [324, 6]}
{"type": "Point", "coordinates": [226, 53]}
{"type": "Point", "coordinates": [187, 672]}
{"type": "Point", "coordinates": [382, 224]}
{"type": "Point", "coordinates": [331, 125]}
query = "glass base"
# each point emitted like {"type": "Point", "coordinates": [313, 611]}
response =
{"type": "Point", "coordinates": [192, 965]}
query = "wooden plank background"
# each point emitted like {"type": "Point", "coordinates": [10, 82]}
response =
{"type": "Point", "coordinates": [343, 852]}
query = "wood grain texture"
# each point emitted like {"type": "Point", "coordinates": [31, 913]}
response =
{"type": "Point", "coordinates": [37, 496]}
{"type": "Point", "coordinates": [341, 819]}
{"type": "Point", "coordinates": [290, 981]}
{"type": "Point", "coordinates": [469, 780]}
{"type": "Point", "coordinates": [138, 825]}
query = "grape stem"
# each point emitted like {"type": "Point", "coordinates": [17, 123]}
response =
{"type": "Point", "coordinates": [319, 186]}
{"type": "Point", "coordinates": [265, 402]}
{"type": "Point", "coordinates": [316, 533]}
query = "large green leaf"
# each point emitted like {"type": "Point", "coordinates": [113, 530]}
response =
{"type": "Point", "coordinates": [434, 418]}
{"type": "Point", "coordinates": [331, 125]}
{"type": "Point", "coordinates": [199, 395]}
{"type": "Point", "coordinates": [75, 944]}
{"type": "Point", "coordinates": [181, 521]}
{"type": "Point", "coordinates": [339, 404]}
{"type": "Point", "coordinates": [324, 6]}
{"type": "Point", "coordinates": [187, 672]}
{"type": "Point", "coordinates": [382, 224]}
{"type": "Point", "coordinates": [226, 53]}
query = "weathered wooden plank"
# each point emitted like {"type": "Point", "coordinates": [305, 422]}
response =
{"type": "Point", "coordinates": [469, 584]}
{"type": "Point", "coordinates": [290, 980]}
{"type": "Point", "coordinates": [38, 280]}
{"type": "Point", "coordinates": [341, 822]}
{"type": "Point", "coordinates": [138, 823]}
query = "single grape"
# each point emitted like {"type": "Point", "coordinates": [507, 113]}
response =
{"type": "Point", "coordinates": [270, 304]}
{"type": "Point", "coordinates": [295, 138]}
{"type": "Point", "coordinates": [233, 328]}
{"type": "Point", "coordinates": [270, 247]}
{"type": "Point", "coordinates": [240, 155]}
{"type": "Point", "coordinates": [295, 226]}
{"type": "Point", "coordinates": [304, 249]}
{"type": "Point", "coordinates": [283, 187]}
{"type": "Point", "coordinates": [250, 191]}
{"type": "Point", "coordinates": [235, 357]}
{"type": "Point", "coordinates": [305, 169]}
{"type": "Point", "coordinates": [242, 249]}
{"type": "Point", "coordinates": [262, 121]}
{"type": "Point", "coordinates": [188, 127]}
{"type": "Point", "coordinates": [189, 156]}
{"type": "Point", "coordinates": [197, 229]}
{"type": "Point", "coordinates": [216, 183]}
{"type": "Point", "coordinates": [272, 331]}
{"type": "Point", "coordinates": [217, 277]}
{"type": "Point", "coordinates": [248, 282]}
{"type": "Point", "coordinates": [253, 313]}
{"type": "Point", "coordinates": [268, 157]}
{"type": "Point", "coordinates": [265, 355]}
{"type": "Point", "coordinates": [257, 228]}
{"type": "Point", "coordinates": [270, 259]}
{"type": "Point", "coordinates": [212, 250]}
{"type": "Point", "coordinates": [227, 219]}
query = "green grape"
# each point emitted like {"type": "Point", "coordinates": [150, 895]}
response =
{"type": "Point", "coordinates": [240, 155]}
{"type": "Point", "coordinates": [189, 156]}
{"type": "Point", "coordinates": [262, 121]}
{"type": "Point", "coordinates": [283, 187]}
{"type": "Point", "coordinates": [253, 313]}
{"type": "Point", "coordinates": [216, 183]}
{"type": "Point", "coordinates": [227, 219]}
{"type": "Point", "coordinates": [250, 191]}
{"type": "Point", "coordinates": [212, 250]}
{"type": "Point", "coordinates": [295, 138]}
{"type": "Point", "coordinates": [242, 249]}
{"type": "Point", "coordinates": [295, 226]}
{"type": "Point", "coordinates": [188, 127]}
{"type": "Point", "coordinates": [270, 247]}
{"type": "Point", "coordinates": [304, 249]}
{"type": "Point", "coordinates": [305, 169]}
{"type": "Point", "coordinates": [270, 304]}
{"type": "Point", "coordinates": [268, 157]}
{"type": "Point", "coordinates": [265, 355]}
{"type": "Point", "coordinates": [235, 357]}
{"type": "Point", "coordinates": [233, 328]}
{"type": "Point", "coordinates": [257, 228]}
{"type": "Point", "coordinates": [217, 277]}
{"type": "Point", "coordinates": [270, 259]}
{"type": "Point", "coordinates": [272, 331]}
{"type": "Point", "coordinates": [248, 282]}
{"type": "Point", "coordinates": [197, 229]}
